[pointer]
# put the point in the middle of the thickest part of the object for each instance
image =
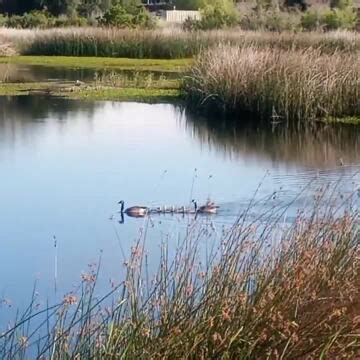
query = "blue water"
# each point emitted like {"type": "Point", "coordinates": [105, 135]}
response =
{"type": "Point", "coordinates": [65, 164]}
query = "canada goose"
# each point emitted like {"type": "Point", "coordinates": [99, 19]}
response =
{"type": "Point", "coordinates": [133, 211]}
{"type": "Point", "coordinates": [208, 208]}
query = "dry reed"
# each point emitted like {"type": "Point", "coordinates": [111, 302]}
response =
{"type": "Point", "coordinates": [289, 85]}
{"type": "Point", "coordinates": [268, 291]}
{"type": "Point", "coordinates": [165, 43]}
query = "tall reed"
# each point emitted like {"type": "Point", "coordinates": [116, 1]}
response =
{"type": "Point", "coordinates": [291, 85]}
{"type": "Point", "coordinates": [267, 291]}
{"type": "Point", "coordinates": [165, 43]}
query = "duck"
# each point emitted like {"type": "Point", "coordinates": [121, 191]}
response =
{"type": "Point", "coordinates": [133, 211]}
{"type": "Point", "coordinates": [208, 208]}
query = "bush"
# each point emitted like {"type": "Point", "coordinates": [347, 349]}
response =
{"type": "Point", "coordinates": [340, 19]}
{"type": "Point", "coordinates": [218, 15]}
{"type": "Point", "coordinates": [15, 21]}
{"type": "Point", "coordinates": [37, 19]}
{"type": "Point", "coordinates": [128, 16]}
{"type": "Point", "coordinates": [310, 20]}
{"type": "Point", "coordinates": [63, 21]}
{"type": "Point", "coordinates": [191, 25]}
{"type": "Point", "coordinates": [33, 19]}
{"type": "Point", "coordinates": [271, 20]}
{"type": "Point", "coordinates": [3, 20]}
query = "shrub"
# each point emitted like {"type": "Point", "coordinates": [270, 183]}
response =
{"type": "Point", "coordinates": [64, 21]}
{"type": "Point", "coordinates": [33, 19]}
{"type": "Point", "coordinates": [3, 20]}
{"type": "Point", "coordinates": [339, 19]}
{"type": "Point", "coordinates": [15, 21]}
{"type": "Point", "coordinates": [270, 20]}
{"type": "Point", "coordinates": [311, 20]}
{"type": "Point", "coordinates": [128, 16]}
{"type": "Point", "coordinates": [191, 25]}
{"type": "Point", "coordinates": [37, 19]}
{"type": "Point", "coordinates": [218, 15]}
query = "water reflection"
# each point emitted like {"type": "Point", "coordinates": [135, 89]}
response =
{"type": "Point", "coordinates": [65, 164]}
{"type": "Point", "coordinates": [317, 146]}
{"type": "Point", "coordinates": [37, 73]}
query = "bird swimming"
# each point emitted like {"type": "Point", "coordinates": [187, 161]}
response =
{"type": "Point", "coordinates": [208, 208]}
{"type": "Point", "coordinates": [133, 211]}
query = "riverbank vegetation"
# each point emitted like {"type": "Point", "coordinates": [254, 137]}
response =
{"type": "Point", "coordinates": [278, 15]}
{"type": "Point", "coordinates": [164, 44]}
{"type": "Point", "coordinates": [287, 85]}
{"type": "Point", "coordinates": [113, 86]}
{"type": "Point", "coordinates": [269, 290]}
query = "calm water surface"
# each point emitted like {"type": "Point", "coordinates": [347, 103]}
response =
{"type": "Point", "coordinates": [15, 73]}
{"type": "Point", "coordinates": [65, 164]}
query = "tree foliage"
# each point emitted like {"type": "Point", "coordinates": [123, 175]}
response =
{"type": "Point", "coordinates": [128, 15]}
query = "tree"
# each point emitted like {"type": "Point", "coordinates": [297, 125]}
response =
{"type": "Point", "coordinates": [128, 15]}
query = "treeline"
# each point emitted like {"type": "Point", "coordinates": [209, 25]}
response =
{"type": "Point", "coordinates": [266, 15]}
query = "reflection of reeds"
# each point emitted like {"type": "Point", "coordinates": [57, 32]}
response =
{"type": "Point", "coordinates": [317, 146]}
{"type": "Point", "coordinates": [164, 43]}
{"type": "Point", "coordinates": [134, 80]}
{"type": "Point", "coordinates": [269, 291]}
{"type": "Point", "coordinates": [288, 85]}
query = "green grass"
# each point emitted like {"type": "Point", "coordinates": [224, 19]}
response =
{"type": "Point", "coordinates": [163, 65]}
{"type": "Point", "coordinates": [123, 94]}
{"type": "Point", "coordinates": [16, 89]}
{"type": "Point", "coordinates": [351, 120]}
{"type": "Point", "coordinates": [94, 92]}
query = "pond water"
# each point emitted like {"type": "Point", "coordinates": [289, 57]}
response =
{"type": "Point", "coordinates": [18, 73]}
{"type": "Point", "coordinates": [65, 164]}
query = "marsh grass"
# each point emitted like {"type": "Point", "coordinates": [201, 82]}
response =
{"type": "Point", "coordinates": [167, 44]}
{"type": "Point", "coordinates": [269, 290]}
{"type": "Point", "coordinates": [286, 85]}
{"type": "Point", "coordinates": [6, 49]}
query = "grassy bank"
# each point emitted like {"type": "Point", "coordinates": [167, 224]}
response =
{"type": "Point", "coordinates": [163, 43]}
{"type": "Point", "coordinates": [269, 291]}
{"type": "Point", "coordinates": [93, 93]}
{"type": "Point", "coordinates": [287, 85]}
{"type": "Point", "coordinates": [173, 65]}
{"type": "Point", "coordinates": [148, 80]}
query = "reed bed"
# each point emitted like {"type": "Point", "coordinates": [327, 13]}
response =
{"type": "Point", "coordinates": [286, 85]}
{"type": "Point", "coordinates": [165, 43]}
{"type": "Point", "coordinates": [268, 291]}
{"type": "Point", "coordinates": [6, 48]}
